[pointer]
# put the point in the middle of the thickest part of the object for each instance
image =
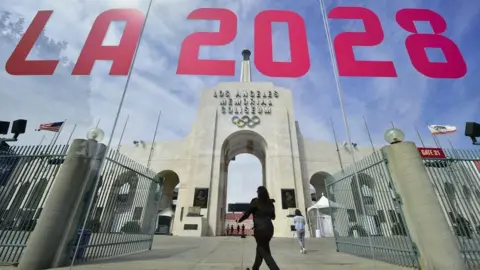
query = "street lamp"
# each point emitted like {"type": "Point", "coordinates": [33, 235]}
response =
{"type": "Point", "coordinates": [394, 135]}
{"type": "Point", "coordinates": [95, 134]}
{"type": "Point", "coordinates": [18, 127]}
{"type": "Point", "coordinates": [472, 130]}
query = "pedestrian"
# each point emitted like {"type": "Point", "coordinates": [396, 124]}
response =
{"type": "Point", "coordinates": [263, 211]}
{"type": "Point", "coordinates": [299, 222]}
{"type": "Point", "coordinates": [243, 229]}
{"type": "Point", "coordinates": [238, 229]}
{"type": "Point", "coordinates": [231, 229]}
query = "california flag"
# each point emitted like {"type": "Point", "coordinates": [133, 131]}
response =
{"type": "Point", "coordinates": [439, 129]}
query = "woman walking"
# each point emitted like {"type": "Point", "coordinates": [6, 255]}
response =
{"type": "Point", "coordinates": [263, 211]}
{"type": "Point", "coordinates": [299, 222]}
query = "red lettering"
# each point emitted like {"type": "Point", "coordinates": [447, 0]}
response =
{"type": "Point", "coordinates": [344, 42]}
{"type": "Point", "coordinates": [121, 55]}
{"type": "Point", "coordinates": [299, 64]}
{"type": "Point", "coordinates": [18, 64]}
{"type": "Point", "coordinates": [188, 62]}
{"type": "Point", "coordinates": [454, 67]}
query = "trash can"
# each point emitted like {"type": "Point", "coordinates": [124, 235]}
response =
{"type": "Point", "coordinates": [84, 242]}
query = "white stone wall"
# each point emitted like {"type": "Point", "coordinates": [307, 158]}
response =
{"type": "Point", "coordinates": [290, 161]}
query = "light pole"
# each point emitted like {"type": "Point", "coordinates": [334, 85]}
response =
{"type": "Point", "coordinates": [18, 127]}
{"type": "Point", "coordinates": [472, 130]}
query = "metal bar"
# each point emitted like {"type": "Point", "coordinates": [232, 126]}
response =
{"type": "Point", "coordinates": [454, 184]}
{"type": "Point", "coordinates": [362, 226]}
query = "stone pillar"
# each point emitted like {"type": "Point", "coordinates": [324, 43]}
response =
{"type": "Point", "coordinates": [423, 213]}
{"type": "Point", "coordinates": [51, 242]}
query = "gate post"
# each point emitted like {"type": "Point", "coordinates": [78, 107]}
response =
{"type": "Point", "coordinates": [423, 214]}
{"type": "Point", "coordinates": [50, 244]}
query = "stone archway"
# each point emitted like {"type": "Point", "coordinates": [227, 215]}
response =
{"type": "Point", "coordinates": [239, 142]}
{"type": "Point", "coordinates": [166, 195]}
{"type": "Point", "coordinates": [319, 182]}
{"type": "Point", "coordinates": [320, 220]}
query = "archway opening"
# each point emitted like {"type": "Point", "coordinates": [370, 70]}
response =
{"type": "Point", "coordinates": [320, 219]}
{"type": "Point", "coordinates": [167, 194]}
{"type": "Point", "coordinates": [242, 170]}
{"type": "Point", "coordinates": [318, 184]}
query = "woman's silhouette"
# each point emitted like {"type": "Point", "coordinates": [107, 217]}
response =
{"type": "Point", "coordinates": [263, 212]}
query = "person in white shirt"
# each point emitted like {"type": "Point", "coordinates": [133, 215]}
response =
{"type": "Point", "coordinates": [300, 222]}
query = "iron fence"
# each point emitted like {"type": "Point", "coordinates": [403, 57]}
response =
{"type": "Point", "coordinates": [457, 183]}
{"type": "Point", "coordinates": [123, 215]}
{"type": "Point", "coordinates": [366, 217]}
{"type": "Point", "coordinates": [26, 175]}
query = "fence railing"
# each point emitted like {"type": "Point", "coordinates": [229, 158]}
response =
{"type": "Point", "coordinates": [457, 183]}
{"type": "Point", "coordinates": [26, 175]}
{"type": "Point", "coordinates": [121, 219]}
{"type": "Point", "coordinates": [366, 218]}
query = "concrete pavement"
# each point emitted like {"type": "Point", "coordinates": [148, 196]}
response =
{"type": "Point", "coordinates": [179, 253]}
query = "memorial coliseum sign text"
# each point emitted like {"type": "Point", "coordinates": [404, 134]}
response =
{"type": "Point", "coordinates": [245, 101]}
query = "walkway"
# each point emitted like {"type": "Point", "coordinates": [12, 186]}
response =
{"type": "Point", "coordinates": [225, 253]}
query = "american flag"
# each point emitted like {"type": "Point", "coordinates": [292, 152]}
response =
{"type": "Point", "coordinates": [55, 127]}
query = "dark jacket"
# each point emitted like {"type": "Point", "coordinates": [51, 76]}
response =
{"type": "Point", "coordinates": [262, 214]}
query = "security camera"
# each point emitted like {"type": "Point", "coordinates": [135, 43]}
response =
{"type": "Point", "coordinates": [345, 144]}
{"type": "Point", "coordinates": [142, 142]}
{"type": "Point", "coordinates": [135, 143]}
{"type": "Point", "coordinates": [354, 145]}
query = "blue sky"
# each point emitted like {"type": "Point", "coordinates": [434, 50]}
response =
{"type": "Point", "coordinates": [410, 100]}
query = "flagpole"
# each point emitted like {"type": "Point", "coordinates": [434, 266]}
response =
{"type": "Point", "coordinates": [153, 141]}
{"type": "Point", "coordinates": [123, 132]}
{"type": "Point", "coordinates": [437, 142]}
{"type": "Point", "coordinates": [71, 134]}
{"type": "Point", "coordinates": [336, 144]}
{"type": "Point", "coordinates": [59, 132]}
{"type": "Point", "coordinates": [368, 132]}
{"type": "Point", "coordinates": [39, 146]}
{"type": "Point", "coordinates": [41, 141]}
{"type": "Point", "coordinates": [419, 137]}
{"type": "Point", "coordinates": [98, 123]}
{"type": "Point", "coordinates": [391, 122]}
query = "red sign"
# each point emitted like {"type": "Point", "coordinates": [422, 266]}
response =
{"type": "Point", "coordinates": [431, 152]}
{"type": "Point", "coordinates": [189, 63]}
{"type": "Point", "coordinates": [477, 164]}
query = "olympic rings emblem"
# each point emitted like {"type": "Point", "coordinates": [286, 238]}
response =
{"type": "Point", "coordinates": [245, 120]}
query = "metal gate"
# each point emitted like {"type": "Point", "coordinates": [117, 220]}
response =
{"type": "Point", "coordinates": [457, 182]}
{"type": "Point", "coordinates": [122, 218]}
{"type": "Point", "coordinates": [26, 176]}
{"type": "Point", "coordinates": [367, 219]}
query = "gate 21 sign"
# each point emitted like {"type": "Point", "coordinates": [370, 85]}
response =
{"type": "Point", "coordinates": [189, 63]}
